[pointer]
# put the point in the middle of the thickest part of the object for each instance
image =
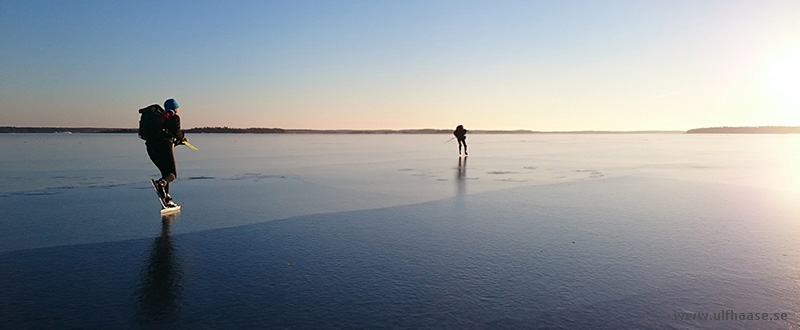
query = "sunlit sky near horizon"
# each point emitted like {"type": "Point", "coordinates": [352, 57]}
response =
{"type": "Point", "coordinates": [539, 65]}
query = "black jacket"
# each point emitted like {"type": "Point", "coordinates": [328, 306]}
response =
{"type": "Point", "coordinates": [172, 127]}
{"type": "Point", "coordinates": [460, 133]}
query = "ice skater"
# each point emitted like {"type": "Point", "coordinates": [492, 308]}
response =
{"type": "Point", "coordinates": [461, 136]}
{"type": "Point", "coordinates": [164, 134]}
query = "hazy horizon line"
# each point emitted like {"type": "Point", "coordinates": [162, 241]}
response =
{"type": "Point", "coordinates": [295, 130]}
{"type": "Point", "coordinates": [277, 130]}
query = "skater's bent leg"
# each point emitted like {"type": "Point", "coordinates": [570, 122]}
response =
{"type": "Point", "coordinates": [160, 153]}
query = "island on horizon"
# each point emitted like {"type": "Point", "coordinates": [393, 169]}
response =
{"type": "Point", "coordinates": [746, 130]}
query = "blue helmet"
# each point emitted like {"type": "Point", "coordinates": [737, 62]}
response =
{"type": "Point", "coordinates": [171, 105]}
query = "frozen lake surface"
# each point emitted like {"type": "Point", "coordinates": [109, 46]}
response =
{"type": "Point", "coordinates": [397, 231]}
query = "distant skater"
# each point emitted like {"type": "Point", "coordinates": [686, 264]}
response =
{"type": "Point", "coordinates": [461, 136]}
{"type": "Point", "coordinates": [161, 135]}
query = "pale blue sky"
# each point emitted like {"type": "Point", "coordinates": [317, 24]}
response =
{"type": "Point", "coordinates": [540, 65]}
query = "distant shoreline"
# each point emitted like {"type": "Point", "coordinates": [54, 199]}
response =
{"type": "Point", "coordinates": [257, 130]}
{"type": "Point", "coordinates": [260, 130]}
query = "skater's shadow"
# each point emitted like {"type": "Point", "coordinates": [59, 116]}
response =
{"type": "Point", "coordinates": [160, 281]}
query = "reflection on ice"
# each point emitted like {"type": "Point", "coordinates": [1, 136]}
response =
{"type": "Point", "coordinates": [160, 281]}
{"type": "Point", "coordinates": [461, 175]}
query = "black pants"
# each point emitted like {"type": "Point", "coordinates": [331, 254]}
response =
{"type": "Point", "coordinates": [160, 152]}
{"type": "Point", "coordinates": [460, 141]}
